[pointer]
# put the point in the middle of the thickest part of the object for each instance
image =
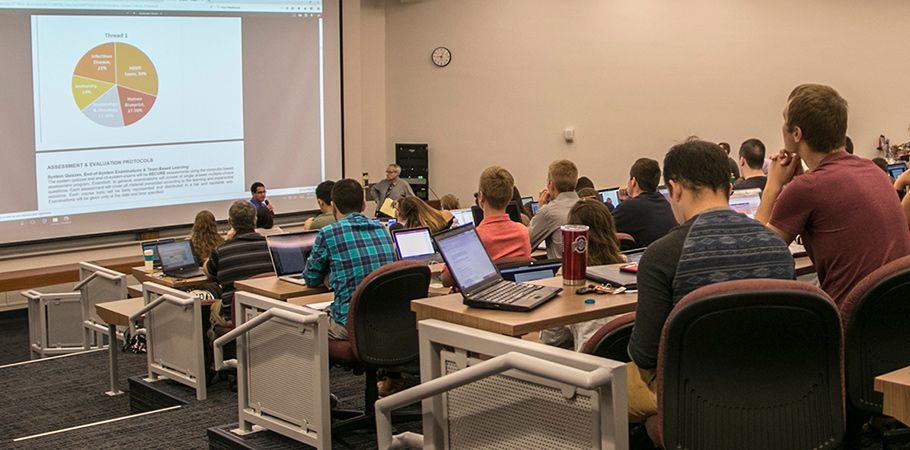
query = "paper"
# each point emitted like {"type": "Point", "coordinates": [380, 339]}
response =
{"type": "Point", "coordinates": [387, 208]}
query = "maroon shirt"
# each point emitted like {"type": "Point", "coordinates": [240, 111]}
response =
{"type": "Point", "coordinates": [850, 219]}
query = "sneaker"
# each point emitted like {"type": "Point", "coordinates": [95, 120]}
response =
{"type": "Point", "coordinates": [389, 386]}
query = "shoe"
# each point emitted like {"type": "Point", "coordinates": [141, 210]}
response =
{"type": "Point", "coordinates": [389, 386]}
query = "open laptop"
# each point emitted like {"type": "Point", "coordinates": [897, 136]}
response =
{"type": "Point", "coordinates": [746, 201]}
{"type": "Point", "coordinates": [289, 253]}
{"type": "Point", "coordinates": [478, 279]}
{"type": "Point", "coordinates": [895, 170]}
{"type": "Point", "coordinates": [177, 260]}
{"type": "Point", "coordinates": [530, 271]}
{"type": "Point", "coordinates": [416, 244]}
{"type": "Point", "coordinates": [612, 194]}
{"type": "Point", "coordinates": [463, 216]}
{"type": "Point", "coordinates": [153, 246]}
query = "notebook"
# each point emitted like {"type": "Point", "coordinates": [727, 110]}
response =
{"type": "Point", "coordinates": [416, 244]}
{"type": "Point", "coordinates": [289, 253]}
{"type": "Point", "coordinates": [153, 246]}
{"type": "Point", "coordinates": [177, 260]}
{"type": "Point", "coordinates": [746, 201]}
{"type": "Point", "coordinates": [525, 272]}
{"type": "Point", "coordinates": [480, 282]}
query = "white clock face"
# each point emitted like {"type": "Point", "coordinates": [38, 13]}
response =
{"type": "Point", "coordinates": [441, 56]}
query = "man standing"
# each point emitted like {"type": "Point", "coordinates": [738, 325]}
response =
{"type": "Point", "coordinates": [845, 245]}
{"type": "Point", "coordinates": [712, 244]}
{"type": "Point", "coordinates": [240, 257]}
{"type": "Point", "coordinates": [555, 202]}
{"type": "Point", "coordinates": [258, 200]}
{"type": "Point", "coordinates": [392, 188]}
{"type": "Point", "coordinates": [751, 158]}
{"type": "Point", "coordinates": [644, 213]}
{"type": "Point", "coordinates": [324, 200]}
{"type": "Point", "coordinates": [346, 251]}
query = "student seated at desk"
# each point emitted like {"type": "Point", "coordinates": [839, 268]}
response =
{"type": "Point", "coordinates": [603, 248]}
{"type": "Point", "coordinates": [204, 236]}
{"type": "Point", "coordinates": [555, 202]}
{"type": "Point", "coordinates": [711, 238]}
{"type": "Point", "coordinates": [242, 256]}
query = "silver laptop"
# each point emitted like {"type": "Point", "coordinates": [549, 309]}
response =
{"type": "Point", "coordinates": [289, 252]}
{"type": "Point", "coordinates": [177, 260]}
{"type": "Point", "coordinates": [416, 244]}
{"type": "Point", "coordinates": [479, 281]}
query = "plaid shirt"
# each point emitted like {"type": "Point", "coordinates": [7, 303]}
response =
{"type": "Point", "coordinates": [347, 251]}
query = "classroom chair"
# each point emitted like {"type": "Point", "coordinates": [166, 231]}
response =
{"type": "Point", "coordinates": [612, 340]}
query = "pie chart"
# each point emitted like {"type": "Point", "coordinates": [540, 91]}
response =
{"type": "Point", "coordinates": [115, 84]}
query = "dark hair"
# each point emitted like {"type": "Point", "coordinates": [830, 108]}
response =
{"type": "Point", "coordinates": [753, 151]}
{"type": "Point", "coordinates": [725, 147]}
{"type": "Point", "coordinates": [243, 216]}
{"type": "Point", "coordinates": [881, 163]}
{"type": "Point", "coordinates": [583, 182]}
{"type": "Point", "coordinates": [646, 172]}
{"type": "Point", "coordinates": [255, 186]}
{"type": "Point", "coordinates": [821, 113]}
{"type": "Point", "coordinates": [697, 165]}
{"type": "Point", "coordinates": [264, 218]}
{"type": "Point", "coordinates": [347, 195]}
{"type": "Point", "coordinates": [849, 145]}
{"type": "Point", "coordinates": [324, 191]}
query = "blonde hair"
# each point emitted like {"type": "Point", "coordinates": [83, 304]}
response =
{"type": "Point", "coordinates": [603, 245]}
{"type": "Point", "coordinates": [418, 214]}
{"type": "Point", "coordinates": [449, 201]}
{"type": "Point", "coordinates": [497, 186]}
{"type": "Point", "coordinates": [204, 236]}
{"type": "Point", "coordinates": [564, 174]}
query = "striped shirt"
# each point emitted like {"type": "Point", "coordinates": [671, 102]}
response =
{"type": "Point", "coordinates": [238, 258]}
{"type": "Point", "coordinates": [347, 251]}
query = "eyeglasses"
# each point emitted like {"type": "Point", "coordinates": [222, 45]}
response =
{"type": "Point", "coordinates": [390, 171]}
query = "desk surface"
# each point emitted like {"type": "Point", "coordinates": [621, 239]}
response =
{"type": "Point", "coordinates": [118, 312]}
{"type": "Point", "coordinates": [895, 389]}
{"type": "Point", "coordinates": [272, 287]}
{"type": "Point", "coordinates": [157, 277]}
{"type": "Point", "coordinates": [567, 308]}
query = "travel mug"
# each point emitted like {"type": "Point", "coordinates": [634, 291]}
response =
{"type": "Point", "coordinates": [574, 254]}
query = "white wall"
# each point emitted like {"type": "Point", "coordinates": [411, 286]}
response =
{"type": "Point", "coordinates": [632, 77]}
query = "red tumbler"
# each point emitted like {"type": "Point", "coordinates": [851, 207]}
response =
{"type": "Point", "coordinates": [574, 254]}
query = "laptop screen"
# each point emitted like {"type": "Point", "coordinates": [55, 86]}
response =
{"type": "Point", "coordinates": [175, 255]}
{"type": "Point", "coordinates": [611, 194]}
{"type": "Point", "coordinates": [538, 270]}
{"type": "Point", "coordinates": [463, 216]}
{"type": "Point", "coordinates": [153, 246]}
{"type": "Point", "coordinates": [534, 208]}
{"type": "Point", "coordinates": [290, 251]}
{"type": "Point", "coordinates": [526, 200]}
{"type": "Point", "coordinates": [466, 257]}
{"type": "Point", "coordinates": [413, 243]}
{"type": "Point", "coordinates": [746, 201]}
{"type": "Point", "coordinates": [895, 170]}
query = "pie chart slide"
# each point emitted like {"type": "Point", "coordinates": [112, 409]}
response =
{"type": "Point", "coordinates": [115, 84]}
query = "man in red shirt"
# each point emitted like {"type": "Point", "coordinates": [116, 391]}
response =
{"type": "Point", "coordinates": [845, 243]}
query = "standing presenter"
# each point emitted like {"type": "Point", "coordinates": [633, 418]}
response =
{"type": "Point", "coordinates": [392, 188]}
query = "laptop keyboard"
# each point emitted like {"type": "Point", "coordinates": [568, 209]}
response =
{"type": "Point", "coordinates": [508, 292]}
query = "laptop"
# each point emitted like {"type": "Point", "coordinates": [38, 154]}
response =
{"type": "Point", "coordinates": [479, 281]}
{"type": "Point", "coordinates": [526, 200]}
{"type": "Point", "coordinates": [463, 216]}
{"type": "Point", "coordinates": [416, 244]}
{"type": "Point", "coordinates": [289, 253]}
{"type": "Point", "coordinates": [895, 170]}
{"type": "Point", "coordinates": [746, 201]}
{"type": "Point", "coordinates": [153, 246]}
{"type": "Point", "coordinates": [611, 274]}
{"type": "Point", "coordinates": [612, 194]}
{"type": "Point", "coordinates": [530, 271]}
{"type": "Point", "coordinates": [534, 208]}
{"type": "Point", "coordinates": [177, 260]}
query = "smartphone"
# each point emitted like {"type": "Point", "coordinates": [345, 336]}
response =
{"type": "Point", "coordinates": [631, 268]}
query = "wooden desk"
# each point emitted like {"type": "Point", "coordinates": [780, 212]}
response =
{"type": "Point", "coordinates": [113, 314]}
{"type": "Point", "coordinates": [895, 389]}
{"type": "Point", "coordinates": [567, 308]}
{"type": "Point", "coordinates": [177, 283]}
{"type": "Point", "coordinates": [272, 287]}
{"type": "Point", "coordinates": [330, 296]}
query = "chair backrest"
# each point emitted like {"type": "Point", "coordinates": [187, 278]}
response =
{"type": "Point", "coordinates": [751, 364]}
{"type": "Point", "coordinates": [381, 327]}
{"type": "Point", "coordinates": [612, 340]}
{"type": "Point", "coordinates": [626, 241]}
{"type": "Point", "coordinates": [876, 318]}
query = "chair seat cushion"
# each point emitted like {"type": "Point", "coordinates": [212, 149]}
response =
{"type": "Point", "coordinates": [341, 351]}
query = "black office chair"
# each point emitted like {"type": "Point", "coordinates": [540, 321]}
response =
{"type": "Point", "coordinates": [626, 241]}
{"type": "Point", "coordinates": [382, 333]}
{"type": "Point", "coordinates": [876, 318]}
{"type": "Point", "coordinates": [750, 364]}
{"type": "Point", "coordinates": [611, 341]}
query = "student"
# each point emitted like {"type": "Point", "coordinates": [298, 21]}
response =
{"type": "Point", "coordinates": [449, 202]}
{"type": "Point", "coordinates": [412, 212]}
{"type": "Point", "coordinates": [555, 202]}
{"type": "Point", "coordinates": [751, 158]}
{"type": "Point", "coordinates": [204, 236]}
{"type": "Point", "coordinates": [324, 200]}
{"type": "Point", "coordinates": [712, 238]}
{"type": "Point", "coordinates": [845, 245]}
{"type": "Point", "coordinates": [644, 213]}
